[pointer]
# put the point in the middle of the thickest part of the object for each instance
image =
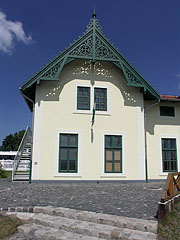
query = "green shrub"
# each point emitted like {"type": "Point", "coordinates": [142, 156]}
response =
{"type": "Point", "coordinates": [2, 172]}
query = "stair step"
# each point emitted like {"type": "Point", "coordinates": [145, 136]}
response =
{"type": "Point", "coordinates": [21, 177]}
{"type": "Point", "coordinates": [107, 219]}
{"type": "Point", "coordinates": [98, 230]}
{"type": "Point", "coordinates": [39, 231]}
{"type": "Point", "coordinates": [22, 173]}
{"type": "Point", "coordinates": [22, 163]}
{"type": "Point", "coordinates": [23, 168]}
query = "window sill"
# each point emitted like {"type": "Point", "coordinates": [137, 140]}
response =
{"type": "Point", "coordinates": [112, 175]}
{"type": "Point", "coordinates": [163, 174]}
{"type": "Point", "coordinates": [105, 113]}
{"type": "Point", "coordinates": [75, 175]}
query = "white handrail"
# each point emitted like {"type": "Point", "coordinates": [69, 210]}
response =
{"type": "Point", "coordinates": [20, 150]}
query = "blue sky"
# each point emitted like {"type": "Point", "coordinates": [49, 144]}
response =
{"type": "Point", "coordinates": [32, 32]}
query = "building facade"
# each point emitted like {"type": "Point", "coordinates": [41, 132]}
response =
{"type": "Point", "coordinates": [96, 118]}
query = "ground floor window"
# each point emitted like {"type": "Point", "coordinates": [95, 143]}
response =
{"type": "Point", "coordinates": [169, 154]}
{"type": "Point", "coordinates": [68, 152]}
{"type": "Point", "coordinates": [113, 154]}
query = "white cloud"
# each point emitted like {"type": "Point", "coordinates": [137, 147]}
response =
{"type": "Point", "coordinates": [9, 33]}
{"type": "Point", "coordinates": [177, 75]}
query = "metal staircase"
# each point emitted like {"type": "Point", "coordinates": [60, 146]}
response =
{"type": "Point", "coordinates": [22, 161]}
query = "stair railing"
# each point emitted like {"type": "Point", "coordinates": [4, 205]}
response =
{"type": "Point", "coordinates": [20, 150]}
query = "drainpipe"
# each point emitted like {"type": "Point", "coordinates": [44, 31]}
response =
{"type": "Point", "coordinates": [145, 133]}
{"type": "Point", "coordinates": [32, 130]}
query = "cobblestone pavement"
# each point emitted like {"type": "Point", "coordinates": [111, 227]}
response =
{"type": "Point", "coordinates": [138, 200]}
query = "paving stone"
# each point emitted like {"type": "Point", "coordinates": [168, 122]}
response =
{"type": "Point", "coordinates": [112, 220]}
{"type": "Point", "coordinates": [47, 233]}
{"type": "Point", "coordinates": [107, 198]}
{"type": "Point", "coordinates": [82, 227]}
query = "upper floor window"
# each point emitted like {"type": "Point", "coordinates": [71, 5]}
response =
{"type": "Point", "coordinates": [100, 98]}
{"type": "Point", "coordinates": [167, 111]}
{"type": "Point", "coordinates": [83, 98]}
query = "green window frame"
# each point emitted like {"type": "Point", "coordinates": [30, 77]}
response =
{"type": "Point", "coordinates": [100, 97]}
{"type": "Point", "coordinates": [83, 98]}
{"type": "Point", "coordinates": [169, 155]}
{"type": "Point", "coordinates": [68, 153]}
{"type": "Point", "coordinates": [113, 154]}
{"type": "Point", "coordinates": [167, 111]}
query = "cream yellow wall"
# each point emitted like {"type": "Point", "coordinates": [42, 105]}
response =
{"type": "Point", "coordinates": [161, 127]}
{"type": "Point", "coordinates": [55, 113]}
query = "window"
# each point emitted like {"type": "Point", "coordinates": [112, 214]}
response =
{"type": "Point", "coordinates": [68, 152]}
{"type": "Point", "coordinates": [83, 98]}
{"type": "Point", "coordinates": [167, 111]}
{"type": "Point", "coordinates": [113, 154]}
{"type": "Point", "coordinates": [100, 97]}
{"type": "Point", "coordinates": [169, 155]}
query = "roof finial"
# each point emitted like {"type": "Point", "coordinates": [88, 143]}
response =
{"type": "Point", "coordinates": [94, 12]}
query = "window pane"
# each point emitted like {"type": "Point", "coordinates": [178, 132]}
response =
{"type": "Point", "coordinates": [63, 154]}
{"type": "Point", "coordinates": [173, 166]}
{"type": "Point", "coordinates": [64, 140]}
{"type": "Point", "coordinates": [166, 166]}
{"type": "Point", "coordinates": [100, 98]}
{"type": "Point", "coordinates": [83, 98]}
{"type": "Point", "coordinates": [109, 166]}
{"type": "Point", "coordinates": [72, 165]}
{"type": "Point", "coordinates": [72, 154]}
{"type": "Point", "coordinates": [117, 141]}
{"type": "Point", "coordinates": [165, 143]}
{"type": "Point", "coordinates": [108, 140]}
{"type": "Point", "coordinates": [63, 165]}
{"type": "Point", "coordinates": [117, 167]}
{"type": "Point", "coordinates": [109, 155]}
{"type": "Point", "coordinates": [173, 155]}
{"type": "Point", "coordinates": [73, 140]}
{"type": "Point", "coordinates": [173, 143]}
{"type": "Point", "coordinates": [117, 155]}
{"type": "Point", "coordinates": [167, 111]}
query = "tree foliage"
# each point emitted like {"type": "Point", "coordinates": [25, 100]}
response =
{"type": "Point", "coordinates": [11, 142]}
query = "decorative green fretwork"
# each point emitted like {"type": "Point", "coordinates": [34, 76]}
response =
{"type": "Point", "coordinates": [132, 79]}
{"type": "Point", "coordinates": [94, 46]}
{"type": "Point", "coordinates": [52, 72]}
{"type": "Point", "coordinates": [83, 49]}
{"type": "Point", "coordinates": [102, 50]}
{"type": "Point", "coordinates": [94, 23]}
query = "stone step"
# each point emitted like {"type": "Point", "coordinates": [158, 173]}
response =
{"type": "Point", "coordinates": [98, 230]}
{"type": "Point", "coordinates": [48, 233]}
{"type": "Point", "coordinates": [106, 219]}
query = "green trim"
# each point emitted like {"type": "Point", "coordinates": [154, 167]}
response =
{"type": "Point", "coordinates": [169, 152]}
{"type": "Point", "coordinates": [68, 147]}
{"type": "Point", "coordinates": [113, 148]}
{"type": "Point", "coordinates": [92, 45]}
{"type": "Point", "coordinates": [83, 98]}
{"type": "Point", "coordinates": [95, 96]}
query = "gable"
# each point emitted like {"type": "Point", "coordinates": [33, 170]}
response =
{"type": "Point", "coordinates": [94, 46]}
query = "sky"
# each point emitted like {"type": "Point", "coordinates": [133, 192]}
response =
{"type": "Point", "coordinates": [147, 33]}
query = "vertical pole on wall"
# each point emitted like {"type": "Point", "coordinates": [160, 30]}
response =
{"type": "Point", "coordinates": [145, 133]}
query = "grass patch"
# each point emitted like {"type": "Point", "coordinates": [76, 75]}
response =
{"type": "Point", "coordinates": [169, 228]}
{"type": "Point", "coordinates": [8, 226]}
{"type": "Point", "coordinates": [5, 174]}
